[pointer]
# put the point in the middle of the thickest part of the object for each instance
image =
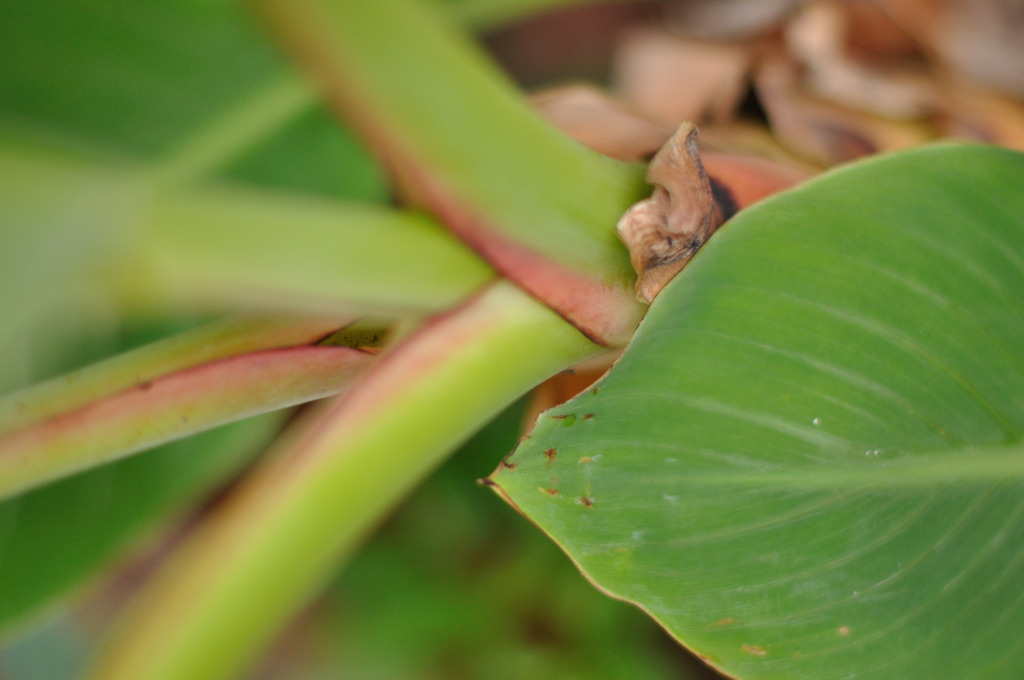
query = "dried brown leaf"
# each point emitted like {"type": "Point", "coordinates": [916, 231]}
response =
{"type": "Point", "coordinates": [818, 37]}
{"type": "Point", "coordinates": [822, 131]}
{"type": "Point", "coordinates": [728, 19]}
{"type": "Point", "coordinates": [600, 122]}
{"type": "Point", "coordinates": [980, 39]}
{"type": "Point", "coordinates": [664, 231]}
{"type": "Point", "coordinates": [671, 78]}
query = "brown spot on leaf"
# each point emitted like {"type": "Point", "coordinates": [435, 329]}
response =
{"type": "Point", "coordinates": [586, 459]}
{"type": "Point", "coordinates": [754, 649]}
{"type": "Point", "coordinates": [588, 416]}
{"type": "Point", "coordinates": [724, 622]}
{"type": "Point", "coordinates": [507, 464]}
{"type": "Point", "coordinates": [551, 492]}
{"type": "Point", "coordinates": [550, 455]}
{"type": "Point", "coordinates": [585, 501]}
{"type": "Point", "coordinates": [844, 630]}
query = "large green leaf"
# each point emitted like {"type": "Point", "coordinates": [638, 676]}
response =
{"type": "Point", "coordinates": [808, 463]}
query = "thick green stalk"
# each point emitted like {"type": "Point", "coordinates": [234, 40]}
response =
{"type": "Point", "coordinates": [268, 548]}
{"type": "Point", "coordinates": [73, 228]}
{"type": "Point", "coordinates": [463, 142]}
{"type": "Point", "coordinates": [256, 247]}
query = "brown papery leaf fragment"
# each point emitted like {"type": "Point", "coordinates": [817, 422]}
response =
{"type": "Point", "coordinates": [969, 112]}
{"type": "Point", "coordinates": [664, 231]}
{"type": "Point", "coordinates": [600, 122]}
{"type": "Point", "coordinates": [822, 131]}
{"type": "Point", "coordinates": [671, 78]}
{"type": "Point", "coordinates": [817, 37]}
{"type": "Point", "coordinates": [728, 19]}
{"type": "Point", "coordinates": [980, 39]}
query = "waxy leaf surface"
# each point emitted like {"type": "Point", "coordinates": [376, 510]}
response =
{"type": "Point", "coordinates": [808, 463]}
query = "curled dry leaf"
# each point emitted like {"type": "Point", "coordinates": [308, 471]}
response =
{"type": "Point", "coordinates": [664, 231]}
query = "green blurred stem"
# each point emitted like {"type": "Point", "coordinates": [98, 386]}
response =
{"type": "Point", "coordinates": [235, 245]}
{"type": "Point", "coordinates": [77, 228]}
{"type": "Point", "coordinates": [217, 340]}
{"type": "Point", "coordinates": [285, 98]}
{"type": "Point", "coordinates": [268, 549]}
{"type": "Point", "coordinates": [58, 219]}
{"type": "Point", "coordinates": [173, 407]}
{"type": "Point", "coordinates": [422, 92]}
{"type": "Point", "coordinates": [464, 143]}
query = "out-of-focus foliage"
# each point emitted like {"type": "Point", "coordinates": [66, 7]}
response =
{"type": "Point", "coordinates": [454, 585]}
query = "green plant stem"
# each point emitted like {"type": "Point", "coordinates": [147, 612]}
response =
{"type": "Point", "coordinates": [172, 407]}
{"type": "Point", "coordinates": [422, 93]}
{"type": "Point", "coordinates": [216, 340]}
{"type": "Point", "coordinates": [235, 245]}
{"type": "Point", "coordinates": [77, 228]}
{"type": "Point", "coordinates": [279, 537]}
{"type": "Point", "coordinates": [463, 142]}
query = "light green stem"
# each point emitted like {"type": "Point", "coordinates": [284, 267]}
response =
{"type": "Point", "coordinates": [172, 407]}
{"type": "Point", "coordinates": [73, 227]}
{"type": "Point", "coordinates": [217, 340]}
{"type": "Point", "coordinates": [231, 245]}
{"type": "Point", "coordinates": [429, 101]}
{"type": "Point", "coordinates": [278, 539]}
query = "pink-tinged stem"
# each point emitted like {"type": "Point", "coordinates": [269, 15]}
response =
{"type": "Point", "coordinates": [172, 407]}
{"type": "Point", "coordinates": [281, 534]}
{"type": "Point", "coordinates": [217, 340]}
{"type": "Point", "coordinates": [460, 140]}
